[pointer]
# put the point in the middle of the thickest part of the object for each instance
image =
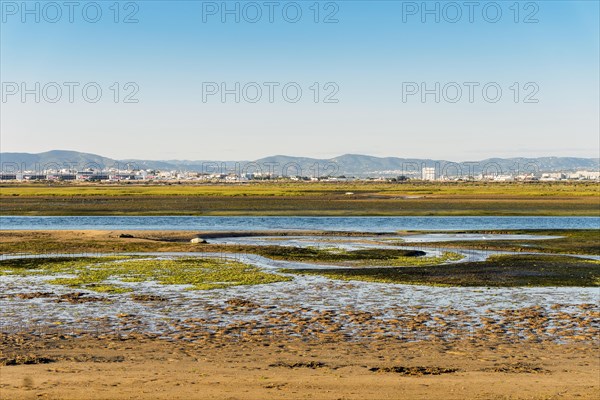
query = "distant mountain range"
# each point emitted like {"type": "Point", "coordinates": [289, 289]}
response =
{"type": "Point", "coordinates": [348, 164]}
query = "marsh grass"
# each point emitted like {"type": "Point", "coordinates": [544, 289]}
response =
{"type": "Point", "coordinates": [584, 241]}
{"type": "Point", "coordinates": [537, 189]}
{"type": "Point", "coordinates": [497, 271]}
{"type": "Point", "coordinates": [103, 274]}
{"type": "Point", "coordinates": [363, 257]}
{"type": "Point", "coordinates": [48, 242]}
{"type": "Point", "coordinates": [293, 199]}
{"type": "Point", "coordinates": [445, 257]}
{"type": "Point", "coordinates": [333, 255]}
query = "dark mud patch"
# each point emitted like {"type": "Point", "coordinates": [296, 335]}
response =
{"type": "Point", "coordinates": [414, 371]}
{"type": "Point", "coordinates": [28, 359]}
{"type": "Point", "coordinates": [242, 303]}
{"type": "Point", "coordinates": [75, 297]}
{"type": "Point", "coordinates": [147, 297]}
{"type": "Point", "coordinates": [306, 254]}
{"type": "Point", "coordinates": [517, 368]}
{"type": "Point", "coordinates": [310, 364]}
{"type": "Point", "coordinates": [78, 297]}
{"type": "Point", "coordinates": [95, 359]}
{"type": "Point", "coordinates": [34, 295]}
{"type": "Point", "coordinates": [496, 271]}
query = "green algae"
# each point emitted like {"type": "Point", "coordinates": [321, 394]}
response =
{"type": "Point", "coordinates": [104, 274]}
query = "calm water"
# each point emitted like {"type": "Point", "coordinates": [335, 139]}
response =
{"type": "Point", "coordinates": [360, 224]}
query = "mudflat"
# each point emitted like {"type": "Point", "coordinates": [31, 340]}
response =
{"type": "Point", "coordinates": [183, 325]}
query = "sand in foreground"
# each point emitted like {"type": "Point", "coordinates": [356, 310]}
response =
{"type": "Point", "coordinates": [148, 368]}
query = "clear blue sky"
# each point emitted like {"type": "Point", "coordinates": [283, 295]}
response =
{"type": "Point", "coordinates": [372, 56]}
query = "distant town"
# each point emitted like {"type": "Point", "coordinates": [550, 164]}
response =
{"type": "Point", "coordinates": [145, 175]}
{"type": "Point", "coordinates": [66, 165]}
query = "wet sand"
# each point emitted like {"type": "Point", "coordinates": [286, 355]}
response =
{"type": "Point", "coordinates": [245, 350]}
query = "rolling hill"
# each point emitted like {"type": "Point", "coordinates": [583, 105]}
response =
{"type": "Point", "coordinates": [348, 164]}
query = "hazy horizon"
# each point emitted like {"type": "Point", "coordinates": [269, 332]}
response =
{"type": "Point", "coordinates": [294, 156]}
{"type": "Point", "coordinates": [334, 155]}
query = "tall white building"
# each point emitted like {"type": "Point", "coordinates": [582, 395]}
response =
{"type": "Point", "coordinates": [428, 174]}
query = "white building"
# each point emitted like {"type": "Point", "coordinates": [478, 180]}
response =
{"type": "Point", "coordinates": [428, 174]}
